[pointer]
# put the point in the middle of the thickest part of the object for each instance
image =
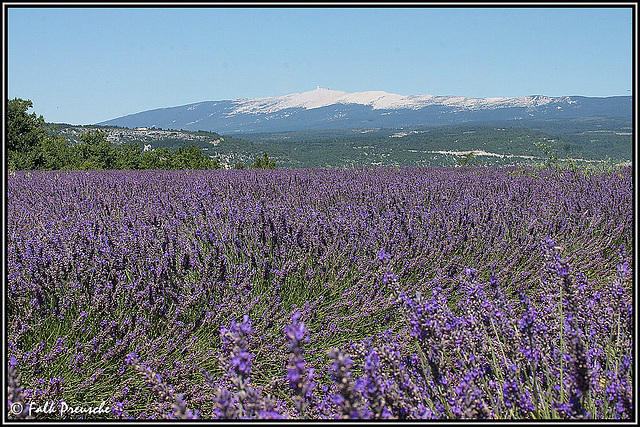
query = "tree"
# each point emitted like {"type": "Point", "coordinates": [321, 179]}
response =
{"type": "Point", "coordinates": [180, 159]}
{"type": "Point", "coordinates": [53, 153]}
{"type": "Point", "coordinates": [149, 160]}
{"type": "Point", "coordinates": [263, 163]}
{"type": "Point", "coordinates": [96, 152]}
{"type": "Point", "coordinates": [164, 158]}
{"type": "Point", "coordinates": [130, 156]}
{"type": "Point", "coordinates": [24, 131]}
{"type": "Point", "coordinates": [192, 157]}
{"type": "Point", "coordinates": [215, 163]}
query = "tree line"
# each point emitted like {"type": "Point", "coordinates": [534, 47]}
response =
{"type": "Point", "coordinates": [29, 146]}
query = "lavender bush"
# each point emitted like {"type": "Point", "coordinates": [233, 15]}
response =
{"type": "Point", "coordinates": [391, 293]}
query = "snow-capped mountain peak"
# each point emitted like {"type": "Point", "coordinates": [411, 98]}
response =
{"type": "Point", "coordinates": [323, 108]}
{"type": "Point", "coordinates": [380, 100]}
{"type": "Point", "coordinates": [311, 99]}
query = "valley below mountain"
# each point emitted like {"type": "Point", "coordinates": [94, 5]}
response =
{"type": "Point", "coordinates": [591, 141]}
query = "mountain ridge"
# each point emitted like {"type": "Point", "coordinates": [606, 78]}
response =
{"type": "Point", "coordinates": [328, 108]}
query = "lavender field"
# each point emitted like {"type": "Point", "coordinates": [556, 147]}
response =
{"type": "Point", "coordinates": [393, 293]}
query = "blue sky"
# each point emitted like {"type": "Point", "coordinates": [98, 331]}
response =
{"type": "Point", "coordinates": [86, 65]}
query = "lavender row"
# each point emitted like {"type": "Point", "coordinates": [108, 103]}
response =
{"type": "Point", "coordinates": [114, 277]}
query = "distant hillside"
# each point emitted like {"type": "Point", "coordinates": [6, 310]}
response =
{"type": "Point", "coordinates": [152, 139]}
{"type": "Point", "coordinates": [145, 136]}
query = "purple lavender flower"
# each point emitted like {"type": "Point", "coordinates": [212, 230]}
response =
{"type": "Point", "coordinates": [234, 342]}
{"type": "Point", "coordinates": [16, 406]}
{"type": "Point", "coordinates": [161, 389]}
{"type": "Point", "coordinates": [348, 399]}
{"type": "Point", "coordinates": [299, 376]}
{"type": "Point", "coordinates": [516, 394]}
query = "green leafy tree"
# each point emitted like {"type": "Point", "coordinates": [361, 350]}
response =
{"type": "Point", "coordinates": [263, 163]}
{"type": "Point", "coordinates": [130, 156]}
{"type": "Point", "coordinates": [96, 152]}
{"type": "Point", "coordinates": [17, 160]}
{"type": "Point", "coordinates": [215, 163]}
{"type": "Point", "coordinates": [187, 158]}
{"type": "Point", "coordinates": [149, 160]}
{"type": "Point", "coordinates": [164, 158]}
{"type": "Point", "coordinates": [192, 157]}
{"type": "Point", "coordinates": [24, 131]}
{"type": "Point", "coordinates": [53, 153]}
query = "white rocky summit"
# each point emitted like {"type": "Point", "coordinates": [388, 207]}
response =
{"type": "Point", "coordinates": [379, 100]}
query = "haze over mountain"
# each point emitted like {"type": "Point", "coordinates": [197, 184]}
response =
{"type": "Point", "coordinates": [334, 109]}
